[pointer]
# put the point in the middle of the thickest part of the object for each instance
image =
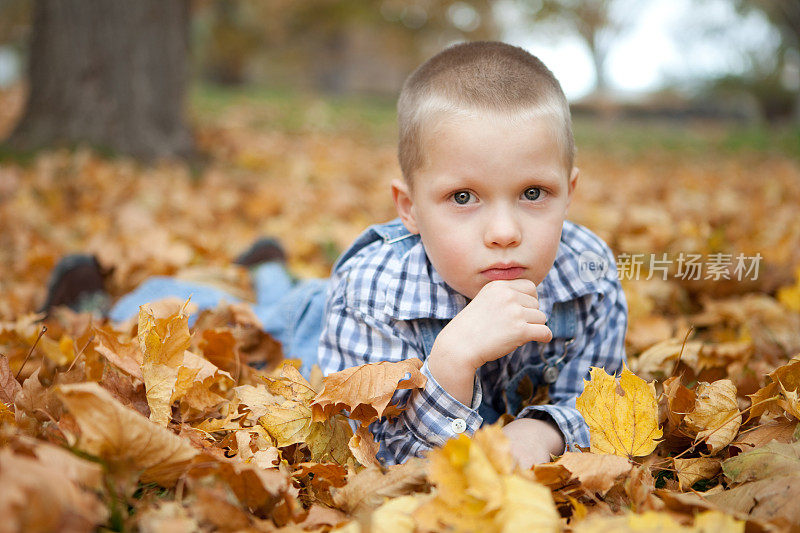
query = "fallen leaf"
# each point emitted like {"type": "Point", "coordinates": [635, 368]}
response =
{"type": "Point", "coordinates": [777, 395]}
{"type": "Point", "coordinates": [477, 492]}
{"type": "Point", "coordinates": [692, 470]}
{"type": "Point", "coordinates": [780, 430]}
{"type": "Point", "coordinates": [715, 418]}
{"type": "Point", "coordinates": [772, 500]}
{"type": "Point", "coordinates": [771, 460]}
{"type": "Point", "coordinates": [126, 356]}
{"type": "Point", "coordinates": [291, 385]}
{"type": "Point", "coordinates": [396, 515]}
{"type": "Point", "coordinates": [715, 521]}
{"type": "Point", "coordinates": [596, 472]}
{"type": "Point", "coordinates": [163, 342]}
{"type": "Point", "coordinates": [9, 386]}
{"type": "Point", "coordinates": [363, 446]}
{"type": "Point", "coordinates": [680, 401]}
{"type": "Point", "coordinates": [372, 486]}
{"type": "Point", "coordinates": [42, 497]}
{"type": "Point", "coordinates": [366, 390]}
{"type": "Point", "coordinates": [622, 417]}
{"type": "Point", "coordinates": [126, 440]}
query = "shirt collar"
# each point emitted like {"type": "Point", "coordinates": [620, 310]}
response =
{"type": "Point", "coordinates": [418, 291]}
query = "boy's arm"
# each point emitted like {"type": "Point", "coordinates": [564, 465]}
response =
{"type": "Point", "coordinates": [432, 416]}
{"type": "Point", "coordinates": [601, 345]}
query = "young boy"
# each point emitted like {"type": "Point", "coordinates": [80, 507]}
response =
{"type": "Point", "coordinates": [481, 277]}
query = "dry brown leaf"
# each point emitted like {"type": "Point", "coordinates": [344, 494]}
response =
{"type": "Point", "coordinates": [780, 394]}
{"type": "Point", "coordinates": [370, 487]}
{"type": "Point", "coordinates": [659, 360]}
{"type": "Point", "coordinates": [366, 390]}
{"type": "Point", "coordinates": [596, 472]}
{"type": "Point", "coordinates": [781, 430]}
{"type": "Point", "coordinates": [163, 342]}
{"type": "Point", "coordinates": [291, 385]}
{"type": "Point", "coordinates": [166, 516]}
{"type": "Point", "coordinates": [37, 401]}
{"type": "Point", "coordinates": [680, 401]}
{"type": "Point", "coordinates": [9, 386]}
{"type": "Point", "coordinates": [363, 447]}
{"type": "Point", "coordinates": [256, 488]}
{"type": "Point", "coordinates": [124, 355]}
{"type": "Point", "coordinates": [771, 500]}
{"type": "Point", "coordinates": [215, 508]}
{"type": "Point", "coordinates": [772, 460]}
{"type": "Point", "coordinates": [42, 497]}
{"type": "Point", "coordinates": [255, 399]}
{"type": "Point", "coordinates": [692, 470]}
{"type": "Point", "coordinates": [715, 417]}
{"type": "Point", "coordinates": [126, 440]}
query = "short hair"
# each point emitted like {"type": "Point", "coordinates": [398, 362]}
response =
{"type": "Point", "coordinates": [478, 77]}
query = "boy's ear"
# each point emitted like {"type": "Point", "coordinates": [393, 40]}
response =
{"type": "Point", "coordinates": [573, 182]}
{"type": "Point", "coordinates": [404, 204]}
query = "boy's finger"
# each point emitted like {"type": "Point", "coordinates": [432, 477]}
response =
{"type": "Point", "coordinates": [526, 300]}
{"type": "Point", "coordinates": [534, 316]}
{"type": "Point", "coordinates": [539, 333]}
{"type": "Point", "coordinates": [523, 285]}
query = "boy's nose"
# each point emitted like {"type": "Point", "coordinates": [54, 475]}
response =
{"type": "Point", "coordinates": [502, 230]}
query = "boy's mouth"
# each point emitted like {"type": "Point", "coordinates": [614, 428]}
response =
{"type": "Point", "coordinates": [496, 272]}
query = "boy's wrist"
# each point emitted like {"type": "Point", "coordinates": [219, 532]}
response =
{"type": "Point", "coordinates": [454, 374]}
{"type": "Point", "coordinates": [455, 351]}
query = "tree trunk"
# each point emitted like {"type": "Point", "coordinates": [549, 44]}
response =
{"type": "Point", "coordinates": [110, 73]}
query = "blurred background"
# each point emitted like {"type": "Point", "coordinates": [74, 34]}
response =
{"type": "Point", "coordinates": [165, 135]}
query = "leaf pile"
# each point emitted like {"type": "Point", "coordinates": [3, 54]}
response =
{"type": "Point", "coordinates": [151, 425]}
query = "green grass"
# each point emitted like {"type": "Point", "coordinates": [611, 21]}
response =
{"type": "Point", "coordinates": [298, 111]}
{"type": "Point", "coordinates": [691, 138]}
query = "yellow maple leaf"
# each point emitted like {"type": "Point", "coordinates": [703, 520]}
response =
{"type": "Point", "coordinates": [622, 416]}
{"type": "Point", "coordinates": [477, 491]}
{"type": "Point", "coordinates": [163, 342]}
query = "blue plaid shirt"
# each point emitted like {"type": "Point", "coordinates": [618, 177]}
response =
{"type": "Point", "coordinates": [384, 300]}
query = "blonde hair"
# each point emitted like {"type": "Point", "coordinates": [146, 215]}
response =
{"type": "Point", "coordinates": [473, 78]}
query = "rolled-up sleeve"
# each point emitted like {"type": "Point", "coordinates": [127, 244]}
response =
{"type": "Point", "coordinates": [430, 416]}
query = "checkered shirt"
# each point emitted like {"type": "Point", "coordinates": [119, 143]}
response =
{"type": "Point", "coordinates": [382, 297]}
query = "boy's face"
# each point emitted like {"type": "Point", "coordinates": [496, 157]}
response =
{"type": "Point", "coordinates": [490, 201]}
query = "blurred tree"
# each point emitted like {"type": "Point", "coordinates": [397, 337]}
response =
{"type": "Point", "coordinates": [109, 73]}
{"type": "Point", "coordinates": [335, 46]}
{"type": "Point", "coordinates": [597, 22]}
{"type": "Point", "coordinates": [13, 15]}
{"type": "Point", "coordinates": [784, 15]}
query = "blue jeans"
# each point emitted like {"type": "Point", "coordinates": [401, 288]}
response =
{"type": "Point", "coordinates": [290, 311]}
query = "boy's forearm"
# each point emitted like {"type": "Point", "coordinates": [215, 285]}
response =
{"type": "Point", "coordinates": [456, 377]}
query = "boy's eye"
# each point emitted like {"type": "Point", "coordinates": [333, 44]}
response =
{"type": "Point", "coordinates": [532, 193]}
{"type": "Point", "coordinates": [462, 197]}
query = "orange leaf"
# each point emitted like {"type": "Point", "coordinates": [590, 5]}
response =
{"type": "Point", "coordinates": [366, 390]}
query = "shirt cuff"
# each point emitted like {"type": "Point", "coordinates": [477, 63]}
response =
{"type": "Point", "coordinates": [568, 419]}
{"type": "Point", "coordinates": [434, 416]}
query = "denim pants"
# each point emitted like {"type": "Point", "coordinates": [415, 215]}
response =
{"type": "Point", "coordinates": [291, 311]}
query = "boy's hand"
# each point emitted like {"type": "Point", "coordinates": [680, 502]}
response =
{"type": "Point", "coordinates": [533, 441]}
{"type": "Point", "coordinates": [503, 316]}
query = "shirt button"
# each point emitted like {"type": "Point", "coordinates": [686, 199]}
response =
{"type": "Point", "coordinates": [458, 425]}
